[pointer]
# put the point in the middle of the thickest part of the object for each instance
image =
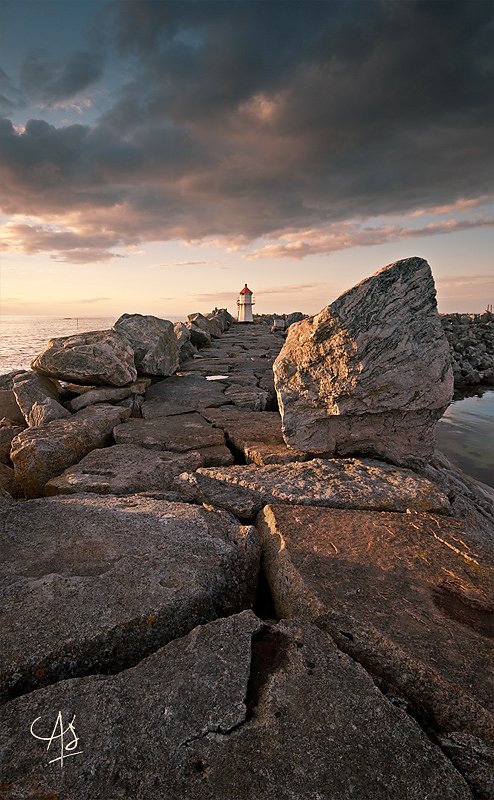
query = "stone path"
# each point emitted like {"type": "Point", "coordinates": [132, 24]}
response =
{"type": "Point", "coordinates": [126, 603]}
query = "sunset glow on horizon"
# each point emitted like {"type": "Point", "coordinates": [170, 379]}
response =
{"type": "Point", "coordinates": [156, 156]}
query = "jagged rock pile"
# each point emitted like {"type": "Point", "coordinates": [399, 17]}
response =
{"type": "Point", "coordinates": [471, 338]}
{"type": "Point", "coordinates": [355, 662]}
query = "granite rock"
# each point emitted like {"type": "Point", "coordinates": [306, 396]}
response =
{"type": "Point", "coordinates": [38, 399]}
{"type": "Point", "coordinates": [371, 373]}
{"type": "Point", "coordinates": [182, 393]}
{"type": "Point", "coordinates": [410, 596]}
{"type": "Point", "coordinates": [178, 434]}
{"type": "Point", "coordinates": [9, 408]}
{"type": "Point", "coordinates": [154, 343]}
{"type": "Point", "coordinates": [107, 394]}
{"type": "Point", "coordinates": [8, 431]}
{"type": "Point", "coordinates": [198, 337]}
{"type": "Point", "coordinates": [123, 469]}
{"type": "Point", "coordinates": [98, 357]}
{"type": "Point", "coordinates": [336, 483]}
{"type": "Point", "coordinates": [235, 709]}
{"type": "Point", "coordinates": [41, 453]}
{"type": "Point", "coordinates": [114, 578]}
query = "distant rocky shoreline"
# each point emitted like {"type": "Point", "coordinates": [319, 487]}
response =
{"type": "Point", "coordinates": [234, 554]}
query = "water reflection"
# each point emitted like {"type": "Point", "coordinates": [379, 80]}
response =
{"type": "Point", "coordinates": [465, 435]}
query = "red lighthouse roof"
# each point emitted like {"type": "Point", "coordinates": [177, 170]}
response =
{"type": "Point", "coordinates": [246, 290]}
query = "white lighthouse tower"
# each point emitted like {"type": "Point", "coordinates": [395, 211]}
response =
{"type": "Point", "coordinates": [244, 305]}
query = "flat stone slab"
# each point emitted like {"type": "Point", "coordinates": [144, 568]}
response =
{"type": "Point", "coordinates": [112, 580]}
{"type": "Point", "coordinates": [256, 434]}
{"type": "Point", "coordinates": [337, 483]}
{"type": "Point", "coordinates": [411, 596]}
{"type": "Point", "coordinates": [178, 434]}
{"type": "Point", "coordinates": [236, 709]}
{"type": "Point", "coordinates": [41, 453]}
{"type": "Point", "coordinates": [123, 469]}
{"type": "Point", "coordinates": [181, 394]}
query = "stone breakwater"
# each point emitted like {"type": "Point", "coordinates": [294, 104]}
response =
{"type": "Point", "coordinates": [220, 610]}
{"type": "Point", "coordinates": [471, 338]}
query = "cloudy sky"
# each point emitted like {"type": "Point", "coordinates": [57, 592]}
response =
{"type": "Point", "coordinates": [155, 156]}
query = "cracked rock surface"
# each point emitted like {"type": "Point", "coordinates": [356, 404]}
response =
{"type": "Point", "coordinates": [236, 709]}
{"type": "Point", "coordinates": [410, 596]}
{"type": "Point", "coordinates": [112, 579]}
{"type": "Point", "coordinates": [338, 483]}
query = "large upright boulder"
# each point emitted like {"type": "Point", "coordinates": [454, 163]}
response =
{"type": "Point", "coordinates": [98, 357]}
{"type": "Point", "coordinates": [371, 373]}
{"type": "Point", "coordinates": [154, 343]}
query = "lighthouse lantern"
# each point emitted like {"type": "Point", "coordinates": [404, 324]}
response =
{"type": "Point", "coordinates": [244, 305]}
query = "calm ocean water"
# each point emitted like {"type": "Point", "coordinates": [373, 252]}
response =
{"type": "Point", "coordinates": [465, 433]}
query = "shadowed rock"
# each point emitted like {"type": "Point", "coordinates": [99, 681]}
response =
{"type": "Point", "coordinates": [107, 394]}
{"type": "Point", "coordinates": [41, 453]}
{"type": "Point", "coordinates": [99, 357]}
{"type": "Point", "coordinates": [371, 373]}
{"type": "Point", "coordinates": [9, 408]}
{"type": "Point", "coordinates": [237, 710]}
{"type": "Point", "coordinates": [337, 483]}
{"type": "Point", "coordinates": [410, 596]}
{"type": "Point", "coordinates": [113, 579]}
{"type": "Point", "coordinates": [8, 431]}
{"type": "Point", "coordinates": [154, 343]}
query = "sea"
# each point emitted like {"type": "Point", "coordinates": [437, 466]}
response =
{"type": "Point", "coordinates": [465, 433]}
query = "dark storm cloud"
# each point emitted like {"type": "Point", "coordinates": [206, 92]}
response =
{"type": "Point", "coordinates": [245, 119]}
{"type": "Point", "coordinates": [49, 80]}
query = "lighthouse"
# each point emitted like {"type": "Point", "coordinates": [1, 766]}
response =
{"type": "Point", "coordinates": [244, 305]}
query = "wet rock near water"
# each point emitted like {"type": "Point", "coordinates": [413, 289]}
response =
{"type": "Point", "coordinates": [371, 373]}
{"type": "Point", "coordinates": [100, 357]}
{"type": "Point", "coordinates": [235, 709]}
{"type": "Point", "coordinates": [113, 579]}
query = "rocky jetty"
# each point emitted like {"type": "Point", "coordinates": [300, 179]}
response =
{"type": "Point", "coordinates": [219, 610]}
{"type": "Point", "coordinates": [471, 338]}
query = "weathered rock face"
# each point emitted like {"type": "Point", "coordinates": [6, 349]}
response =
{"type": "Point", "coordinates": [9, 408]}
{"type": "Point", "coordinates": [113, 579]}
{"type": "Point", "coordinates": [107, 394]}
{"type": "Point", "coordinates": [337, 483]}
{"type": "Point", "coordinates": [198, 337]}
{"type": "Point", "coordinates": [180, 394]}
{"type": "Point", "coordinates": [99, 357]}
{"type": "Point", "coordinates": [256, 435]}
{"type": "Point", "coordinates": [210, 325]}
{"type": "Point", "coordinates": [237, 709]}
{"type": "Point", "coordinates": [178, 434]}
{"type": "Point", "coordinates": [39, 454]}
{"type": "Point", "coordinates": [123, 469]}
{"type": "Point", "coordinates": [371, 373]}
{"type": "Point", "coordinates": [410, 596]}
{"type": "Point", "coordinates": [182, 333]}
{"type": "Point", "coordinates": [154, 343]}
{"type": "Point", "coordinates": [38, 399]}
{"type": "Point", "coordinates": [249, 398]}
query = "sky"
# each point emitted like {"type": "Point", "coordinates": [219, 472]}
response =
{"type": "Point", "coordinates": [155, 155]}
